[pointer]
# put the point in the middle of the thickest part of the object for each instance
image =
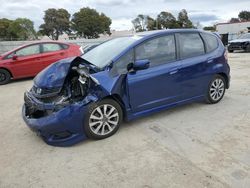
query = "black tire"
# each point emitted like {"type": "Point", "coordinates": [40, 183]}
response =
{"type": "Point", "coordinates": [93, 109]}
{"type": "Point", "coordinates": [230, 51]}
{"type": "Point", "coordinates": [212, 91]}
{"type": "Point", "coordinates": [5, 77]}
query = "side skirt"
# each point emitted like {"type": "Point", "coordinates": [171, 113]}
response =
{"type": "Point", "coordinates": [134, 115]}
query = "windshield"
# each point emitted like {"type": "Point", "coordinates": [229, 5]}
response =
{"type": "Point", "coordinates": [245, 36]}
{"type": "Point", "coordinates": [103, 54]}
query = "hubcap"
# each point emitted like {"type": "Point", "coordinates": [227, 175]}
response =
{"type": "Point", "coordinates": [103, 119]}
{"type": "Point", "coordinates": [217, 89]}
{"type": "Point", "coordinates": [2, 77]}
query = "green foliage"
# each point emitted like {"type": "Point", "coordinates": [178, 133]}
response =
{"type": "Point", "coordinates": [244, 15]}
{"type": "Point", "coordinates": [4, 29]}
{"type": "Point", "coordinates": [143, 23]}
{"type": "Point", "coordinates": [183, 19]}
{"type": "Point", "coordinates": [151, 23]}
{"type": "Point", "coordinates": [167, 20]}
{"type": "Point", "coordinates": [19, 29]}
{"type": "Point", "coordinates": [56, 22]}
{"type": "Point", "coordinates": [209, 28]}
{"type": "Point", "coordinates": [164, 20]}
{"type": "Point", "coordinates": [234, 20]}
{"type": "Point", "coordinates": [88, 23]}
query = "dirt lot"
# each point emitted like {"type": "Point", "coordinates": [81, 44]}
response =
{"type": "Point", "coordinates": [196, 145]}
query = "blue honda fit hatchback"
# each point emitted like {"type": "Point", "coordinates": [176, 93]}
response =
{"type": "Point", "coordinates": [123, 79]}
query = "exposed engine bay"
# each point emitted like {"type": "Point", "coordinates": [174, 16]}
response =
{"type": "Point", "coordinates": [75, 87]}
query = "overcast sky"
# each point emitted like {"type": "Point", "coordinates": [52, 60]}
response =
{"type": "Point", "coordinates": [123, 11]}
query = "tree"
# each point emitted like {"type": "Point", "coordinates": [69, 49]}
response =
{"type": "Point", "coordinates": [88, 23]}
{"type": "Point", "coordinates": [166, 20]}
{"type": "Point", "coordinates": [105, 23]}
{"type": "Point", "coordinates": [144, 23]}
{"type": "Point", "coordinates": [151, 24]}
{"type": "Point", "coordinates": [56, 22]}
{"type": "Point", "coordinates": [183, 19]}
{"type": "Point", "coordinates": [140, 23]}
{"type": "Point", "coordinates": [234, 20]}
{"type": "Point", "coordinates": [244, 16]}
{"type": "Point", "coordinates": [22, 29]}
{"type": "Point", "coordinates": [4, 29]}
{"type": "Point", "coordinates": [209, 28]}
{"type": "Point", "coordinates": [19, 29]}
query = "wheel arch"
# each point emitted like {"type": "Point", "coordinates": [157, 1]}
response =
{"type": "Point", "coordinates": [117, 98]}
{"type": "Point", "coordinates": [225, 77]}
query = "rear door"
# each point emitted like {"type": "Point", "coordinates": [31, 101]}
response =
{"type": "Point", "coordinates": [27, 62]}
{"type": "Point", "coordinates": [159, 84]}
{"type": "Point", "coordinates": [194, 78]}
{"type": "Point", "coordinates": [52, 52]}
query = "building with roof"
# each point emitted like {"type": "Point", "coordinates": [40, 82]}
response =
{"type": "Point", "coordinates": [232, 31]}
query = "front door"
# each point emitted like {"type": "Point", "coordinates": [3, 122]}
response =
{"type": "Point", "coordinates": [27, 62]}
{"type": "Point", "coordinates": [159, 84]}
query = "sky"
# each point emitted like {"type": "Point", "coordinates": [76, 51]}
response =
{"type": "Point", "coordinates": [123, 11]}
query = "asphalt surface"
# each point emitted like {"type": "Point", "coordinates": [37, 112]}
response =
{"type": "Point", "coordinates": [192, 146]}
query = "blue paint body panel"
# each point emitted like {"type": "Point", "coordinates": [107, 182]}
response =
{"type": "Point", "coordinates": [139, 93]}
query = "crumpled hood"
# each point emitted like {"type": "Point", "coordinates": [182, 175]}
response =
{"type": "Point", "coordinates": [239, 40]}
{"type": "Point", "coordinates": [54, 75]}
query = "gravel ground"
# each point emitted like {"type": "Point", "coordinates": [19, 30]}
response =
{"type": "Point", "coordinates": [196, 145]}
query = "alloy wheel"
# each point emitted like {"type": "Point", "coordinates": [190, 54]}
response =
{"type": "Point", "coordinates": [103, 119]}
{"type": "Point", "coordinates": [217, 89]}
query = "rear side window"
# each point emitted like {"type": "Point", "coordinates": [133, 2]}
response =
{"type": "Point", "coordinates": [49, 47]}
{"type": "Point", "coordinates": [211, 41]}
{"type": "Point", "coordinates": [191, 45]}
{"type": "Point", "coordinates": [158, 51]}
{"type": "Point", "coordinates": [65, 46]}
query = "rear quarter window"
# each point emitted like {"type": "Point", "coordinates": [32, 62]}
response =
{"type": "Point", "coordinates": [211, 42]}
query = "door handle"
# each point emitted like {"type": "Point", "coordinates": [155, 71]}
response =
{"type": "Point", "coordinates": [174, 71]}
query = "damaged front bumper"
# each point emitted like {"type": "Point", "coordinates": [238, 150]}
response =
{"type": "Point", "coordinates": [58, 125]}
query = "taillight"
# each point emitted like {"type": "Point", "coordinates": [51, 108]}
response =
{"type": "Point", "coordinates": [226, 55]}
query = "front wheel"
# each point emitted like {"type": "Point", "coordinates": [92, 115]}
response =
{"type": "Point", "coordinates": [103, 119]}
{"type": "Point", "coordinates": [216, 89]}
{"type": "Point", "coordinates": [4, 77]}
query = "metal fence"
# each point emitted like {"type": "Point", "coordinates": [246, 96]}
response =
{"type": "Point", "coordinates": [6, 46]}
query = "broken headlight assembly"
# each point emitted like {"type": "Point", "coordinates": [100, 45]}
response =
{"type": "Point", "coordinates": [41, 102]}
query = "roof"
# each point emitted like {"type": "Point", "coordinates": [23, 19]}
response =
{"type": "Point", "coordinates": [226, 23]}
{"type": "Point", "coordinates": [155, 32]}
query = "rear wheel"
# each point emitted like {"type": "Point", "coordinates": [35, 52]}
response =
{"type": "Point", "coordinates": [103, 119]}
{"type": "Point", "coordinates": [4, 77]}
{"type": "Point", "coordinates": [216, 89]}
{"type": "Point", "coordinates": [230, 51]}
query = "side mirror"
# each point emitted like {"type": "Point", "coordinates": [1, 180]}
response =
{"type": "Point", "coordinates": [14, 57]}
{"type": "Point", "coordinates": [139, 65]}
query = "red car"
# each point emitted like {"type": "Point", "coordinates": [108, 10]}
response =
{"type": "Point", "coordinates": [29, 60]}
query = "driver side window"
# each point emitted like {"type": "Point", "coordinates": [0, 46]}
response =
{"type": "Point", "coordinates": [158, 51]}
